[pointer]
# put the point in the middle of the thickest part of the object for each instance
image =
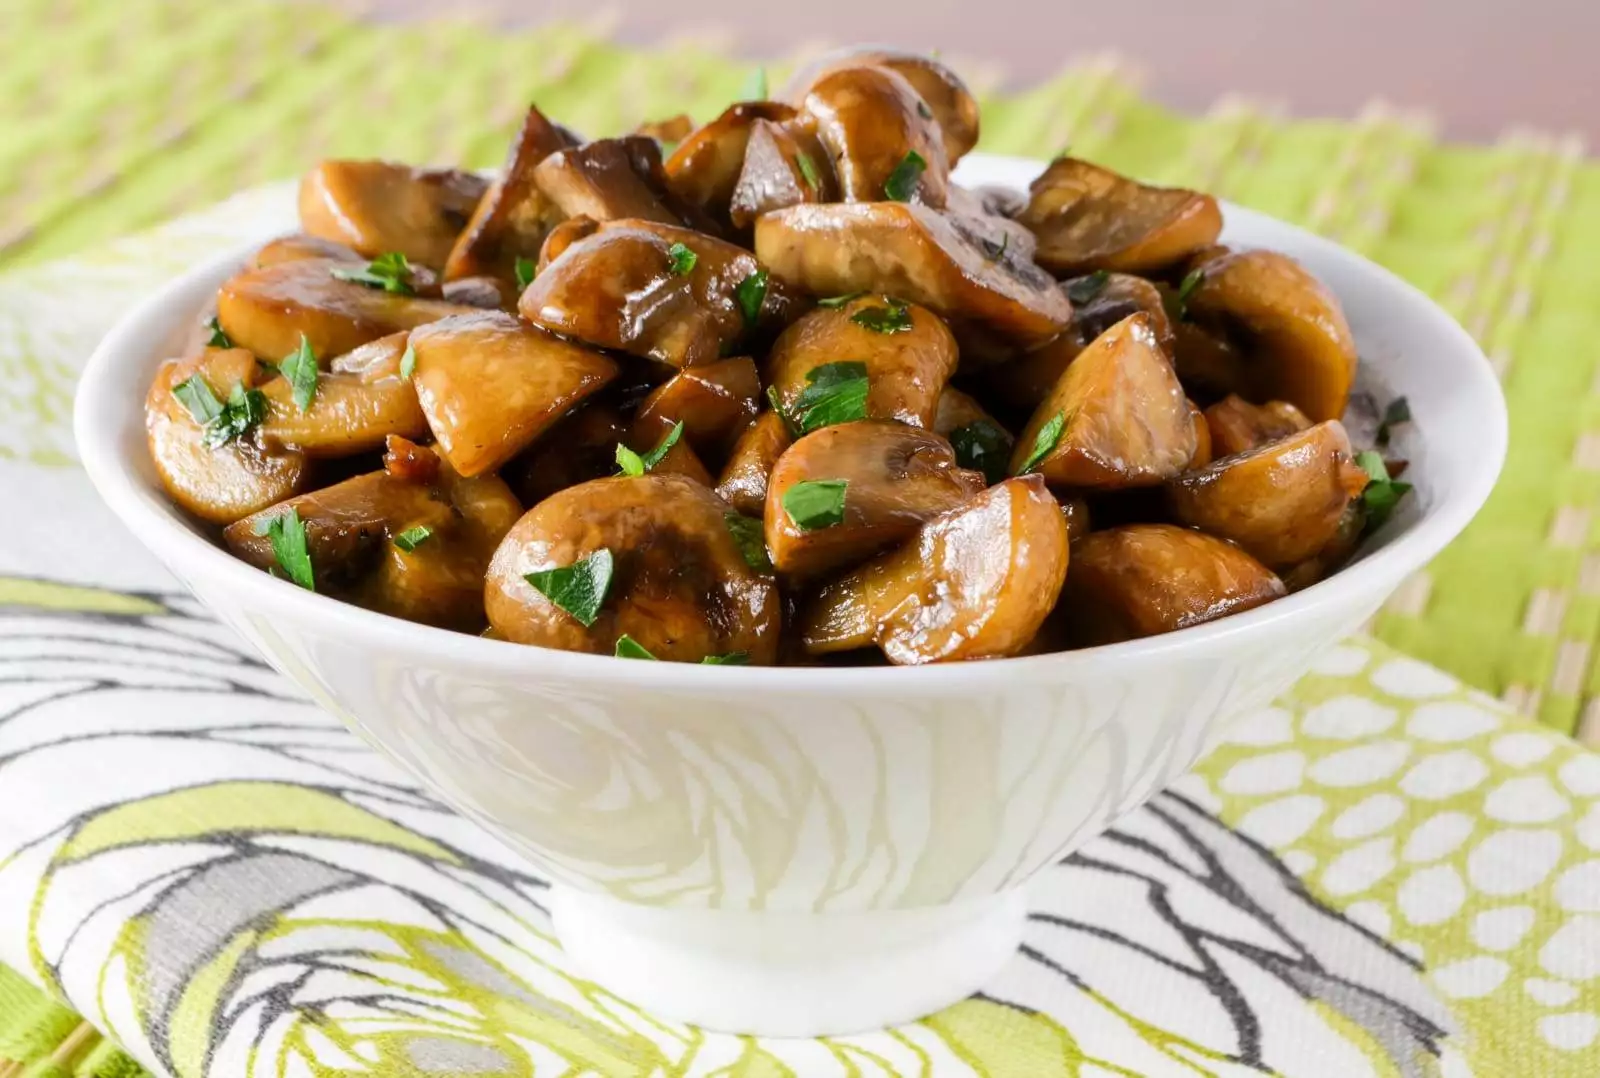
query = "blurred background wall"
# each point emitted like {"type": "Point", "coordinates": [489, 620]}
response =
{"type": "Point", "coordinates": [1477, 66]}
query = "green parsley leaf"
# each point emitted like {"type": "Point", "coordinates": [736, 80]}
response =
{"type": "Point", "coordinates": [629, 648]}
{"type": "Point", "coordinates": [1084, 289]}
{"type": "Point", "coordinates": [412, 538]}
{"type": "Point", "coordinates": [834, 393]}
{"type": "Point", "coordinates": [752, 543]}
{"type": "Point", "coordinates": [580, 588]}
{"type": "Point", "coordinates": [1186, 288]}
{"type": "Point", "coordinates": [815, 504]}
{"type": "Point", "coordinates": [682, 259]}
{"type": "Point", "coordinates": [194, 393]}
{"type": "Point", "coordinates": [1398, 412]}
{"type": "Point", "coordinates": [835, 302]}
{"type": "Point", "coordinates": [733, 658]}
{"type": "Point", "coordinates": [923, 110]}
{"type": "Point", "coordinates": [634, 464]}
{"type": "Point", "coordinates": [299, 368]}
{"type": "Point", "coordinates": [895, 318]}
{"type": "Point", "coordinates": [408, 361]}
{"type": "Point", "coordinates": [525, 269]}
{"type": "Point", "coordinates": [902, 182]}
{"type": "Point", "coordinates": [783, 413]}
{"type": "Point", "coordinates": [1043, 442]}
{"type": "Point", "coordinates": [751, 294]}
{"type": "Point", "coordinates": [390, 272]}
{"type": "Point", "coordinates": [288, 535]}
{"type": "Point", "coordinates": [1382, 493]}
{"type": "Point", "coordinates": [245, 409]}
{"type": "Point", "coordinates": [983, 446]}
{"type": "Point", "coordinates": [993, 251]}
{"type": "Point", "coordinates": [755, 86]}
{"type": "Point", "coordinates": [808, 171]}
{"type": "Point", "coordinates": [218, 338]}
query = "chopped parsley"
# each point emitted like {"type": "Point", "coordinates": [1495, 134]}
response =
{"type": "Point", "coordinates": [408, 361]}
{"type": "Point", "coordinates": [752, 544]}
{"type": "Point", "coordinates": [808, 171]}
{"type": "Point", "coordinates": [194, 393]}
{"type": "Point", "coordinates": [629, 648]}
{"type": "Point", "coordinates": [525, 268]}
{"type": "Point", "coordinates": [983, 446]}
{"type": "Point", "coordinates": [1382, 493]}
{"type": "Point", "coordinates": [733, 658]}
{"type": "Point", "coordinates": [287, 533]}
{"type": "Point", "coordinates": [894, 318]}
{"type": "Point", "coordinates": [299, 369]}
{"type": "Point", "coordinates": [902, 182]}
{"type": "Point", "coordinates": [752, 294]}
{"type": "Point", "coordinates": [1186, 288]}
{"type": "Point", "coordinates": [835, 302]}
{"type": "Point", "coordinates": [1044, 443]}
{"type": "Point", "coordinates": [923, 110]}
{"type": "Point", "coordinates": [681, 259]}
{"type": "Point", "coordinates": [815, 504]}
{"type": "Point", "coordinates": [412, 538]}
{"type": "Point", "coordinates": [1085, 289]}
{"type": "Point", "coordinates": [390, 272]}
{"type": "Point", "coordinates": [580, 588]}
{"type": "Point", "coordinates": [634, 464]}
{"type": "Point", "coordinates": [993, 251]}
{"type": "Point", "coordinates": [834, 393]}
{"type": "Point", "coordinates": [218, 339]}
{"type": "Point", "coordinates": [1398, 412]}
{"type": "Point", "coordinates": [245, 408]}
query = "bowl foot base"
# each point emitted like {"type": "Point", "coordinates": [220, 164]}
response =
{"type": "Point", "coordinates": [788, 974]}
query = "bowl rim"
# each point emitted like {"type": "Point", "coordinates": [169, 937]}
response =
{"type": "Point", "coordinates": [99, 423]}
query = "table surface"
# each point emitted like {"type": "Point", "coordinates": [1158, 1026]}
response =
{"type": "Point", "coordinates": [1480, 69]}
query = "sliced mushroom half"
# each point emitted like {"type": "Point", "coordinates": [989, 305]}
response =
{"type": "Point", "coordinates": [1116, 418]}
{"type": "Point", "coordinates": [902, 351]}
{"type": "Point", "coordinates": [957, 265]}
{"type": "Point", "coordinates": [355, 407]}
{"type": "Point", "coordinates": [1282, 502]}
{"type": "Point", "coordinates": [378, 206]}
{"type": "Point", "coordinates": [705, 168]}
{"type": "Point", "coordinates": [1143, 579]}
{"type": "Point", "coordinates": [941, 89]}
{"type": "Point", "coordinates": [715, 402]}
{"type": "Point", "coordinates": [1293, 330]}
{"type": "Point", "coordinates": [218, 479]}
{"type": "Point", "coordinates": [881, 137]}
{"type": "Point", "coordinates": [608, 180]}
{"type": "Point", "coordinates": [1090, 218]}
{"type": "Point", "coordinates": [975, 583]}
{"type": "Point", "coordinates": [490, 384]}
{"type": "Point", "coordinates": [844, 493]}
{"type": "Point", "coordinates": [784, 165]}
{"type": "Point", "coordinates": [659, 561]}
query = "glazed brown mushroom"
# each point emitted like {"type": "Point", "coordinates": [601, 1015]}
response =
{"type": "Point", "coordinates": [1237, 425]}
{"type": "Point", "coordinates": [1204, 453]}
{"type": "Point", "coordinates": [268, 310]}
{"type": "Point", "coordinates": [1346, 537]}
{"type": "Point", "coordinates": [743, 482]}
{"type": "Point", "coordinates": [884, 479]}
{"type": "Point", "coordinates": [563, 236]}
{"type": "Point", "coordinates": [217, 480]}
{"type": "Point", "coordinates": [715, 402]}
{"type": "Point", "coordinates": [608, 180]}
{"type": "Point", "coordinates": [576, 449]}
{"type": "Point", "coordinates": [874, 125]}
{"type": "Point", "coordinates": [665, 293]}
{"type": "Point", "coordinates": [1116, 418]}
{"type": "Point", "coordinates": [1143, 579]}
{"type": "Point", "coordinates": [1293, 330]}
{"type": "Point", "coordinates": [514, 216]}
{"type": "Point", "coordinates": [1208, 363]}
{"type": "Point", "coordinates": [904, 352]}
{"type": "Point", "coordinates": [1282, 501]}
{"type": "Point", "coordinates": [377, 206]}
{"type": "Point", "coordinates": [941, 89]}
{"type": "Point", "coordinates": [1075, 511]}
{"type": "Point", "coordinates": [956, 265]}
{"type": "Point", "coordinates": [358, 405]}
{"type": "Point", "coordinates": [705, 168]}
{"type": "Point", "coordinates": [1090, 218]}
{"type": "Point", "coordinates": [300, 246]}
{"type": "Point", "coordinates": [975, 583]}
{"type": "Point", "coordinates": [490, 384]}
{"type": "Point", "coordinates": [784, 165]}
{"type": "Point", "coordinates": [678, 585]}
{"type": "Point", "coordinates": [357, 532]}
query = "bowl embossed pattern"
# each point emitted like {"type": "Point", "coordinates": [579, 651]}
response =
{"type": "Point", "coordinates": [793, 851]}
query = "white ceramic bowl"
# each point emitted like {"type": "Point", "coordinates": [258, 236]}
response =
{"type": "Point", "coordinates": [805, 851]}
